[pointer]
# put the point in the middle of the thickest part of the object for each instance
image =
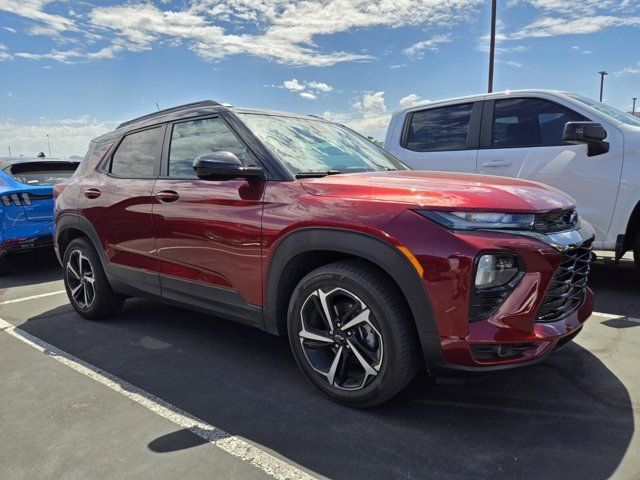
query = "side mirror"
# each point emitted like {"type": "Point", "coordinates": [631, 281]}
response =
{"type": "Point", "coordinates": [223, 166]}
{"type": "Point", "coordinates": [591, 133]}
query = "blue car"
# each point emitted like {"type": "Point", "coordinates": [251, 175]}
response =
{"type": "Point", "coordinates": [26, 203]}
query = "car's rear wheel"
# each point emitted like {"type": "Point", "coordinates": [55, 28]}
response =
{"type": "Point", "coordinates": [636, 252]}
{"type": "Point", "coordinates": [86, 283]}
{"type": "Point", "coordinates": [352, 334]}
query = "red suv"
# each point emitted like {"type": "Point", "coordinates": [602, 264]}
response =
{"type": "Point", "coordinates": [301, 227]}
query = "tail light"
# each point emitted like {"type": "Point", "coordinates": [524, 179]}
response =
{"type": "Point", "coordinates": [17, 199]}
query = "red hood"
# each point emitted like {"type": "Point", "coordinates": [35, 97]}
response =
{"type": "Point", "coordinates": [442, 190]}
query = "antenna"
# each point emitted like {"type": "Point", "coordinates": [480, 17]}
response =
{"type": "Point", "coordinates": [157, 106]}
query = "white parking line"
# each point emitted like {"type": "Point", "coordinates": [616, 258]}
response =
{"type": "Point", "coordinates": [233, 445]}
{"type": "Point", "coordinates": [32, 297]}
{"type": "Point", "coordinates": [614, 316]}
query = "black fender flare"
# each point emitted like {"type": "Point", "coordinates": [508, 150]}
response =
{"type": "Point", "coordinates": [73, 221]}
{"type": "Point", "coordinates": [370, 248]}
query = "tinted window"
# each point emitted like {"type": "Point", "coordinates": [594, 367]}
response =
{"type": "Point", "coordinates": [444, 128]}
{"type": "Point", "coordinates": [139, 154]}
{"type": "Point", "coordinates": [529, 122]}
{"type": "Point", "coordinates": [192, 139]}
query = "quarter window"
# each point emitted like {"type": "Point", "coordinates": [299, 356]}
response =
{"type": "Point", "coordinates": [189, 140]}
{"type": "Point", "coordinates": [529, 122]}
{"type": "Point", "coordinates": [138, 155]}
{"type": "Point", "coordinates": [438, 129]}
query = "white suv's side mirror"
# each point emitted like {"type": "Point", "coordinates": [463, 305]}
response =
{"type": "Point", "coordinates": [591, 133]}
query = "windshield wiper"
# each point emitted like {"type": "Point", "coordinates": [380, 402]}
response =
{"type": "Point", "coordinates": [316, 174]}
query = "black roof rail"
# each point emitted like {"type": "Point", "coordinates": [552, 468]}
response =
{"type": "Point", "coordinates": [186, 106]}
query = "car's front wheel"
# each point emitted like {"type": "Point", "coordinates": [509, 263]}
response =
{"type": "Point", "coordinates": [86, 283]}
{"type": "Point", "coordinates": [352, 334]}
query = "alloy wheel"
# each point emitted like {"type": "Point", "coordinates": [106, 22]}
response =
{"type": "Point", "coordinates": [81, 279]}
{"type": "Point", "coordinates": [339, 338]}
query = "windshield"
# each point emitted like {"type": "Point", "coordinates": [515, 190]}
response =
{"type": "Point", "coordinates": [307, 145]}
{"type": "Point", "coordinates": [607, 110]}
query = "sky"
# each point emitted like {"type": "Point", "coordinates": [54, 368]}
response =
{"type": "Point", "coordinates": [71, 70]}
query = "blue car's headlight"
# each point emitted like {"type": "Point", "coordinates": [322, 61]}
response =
{"type": "Point", "coordinates": [480, 220]}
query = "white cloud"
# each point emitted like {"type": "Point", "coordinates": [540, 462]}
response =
{"type": "Point", "coordinates": [67, 136]}
{"type": "Point", "coordinates": [369, 115]}
{"type": "Point", "coordinates": [412, 99]}
{"type": "Point", "coordinates": [35, 10]}
{"type": "Point", "coordinates": [554, 26]}
{"type": "Point", "coordinates": [320, 86]}
{"type": "Point", "coordinates": [631, 70]}
{"type": "Point", "coordinates": [306, 89]}
{"type": "Point", "coordinates": [431, 45]}
{"type": "Point", "coordinates": [284, 31]}
{"type": "Point", "coordinates": [4, 53]}
{"type": "Point", "coordinates": [293, 85]}
{"type": "Point", "coordinates": [9, 29]}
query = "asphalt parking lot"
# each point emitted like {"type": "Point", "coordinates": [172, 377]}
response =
{"type": "Point", "coordinates": [160, 392]}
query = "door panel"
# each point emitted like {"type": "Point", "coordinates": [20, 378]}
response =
{"type": "Point", "coordinates": [118, 204]}
{"type": "Point", "coordinates": [121, 215]}
{"type": "Point", "coordinates": [211, 233]}
{"type": "Point", "coordinates": [591, 181]}
{"type": "Point", "coordinates": [207, 231]}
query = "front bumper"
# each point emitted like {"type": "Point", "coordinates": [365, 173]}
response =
{"type": "Point", "coordinates": [511, 337]}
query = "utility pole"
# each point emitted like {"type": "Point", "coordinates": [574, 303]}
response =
{"type": "Point", "coordinates": [49, 145]}
{"type": "Point", "coordinates": [492, 45]}
{"type": "Point", "coordinates": [9, 151]}
{"type": "Point", "coordinates": [633, 109]}
{"type": "Point", "coordinates": [602, 74]}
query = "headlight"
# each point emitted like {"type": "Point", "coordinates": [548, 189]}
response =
{"type": "Point", "coordinates": [480, 220]}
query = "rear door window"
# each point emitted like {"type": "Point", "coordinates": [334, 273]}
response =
{"type": "Point", "coordinates": [190, 140]}
{"type": "Point", "coordinates": [138, 155]}
{"type": "Point", "coordinates": [439, 129]}
{"type": "Point", "coordinates": [529, 122]}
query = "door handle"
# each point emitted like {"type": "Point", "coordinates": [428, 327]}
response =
{"type": "Point", "coordinates": [92, 193]}
{"type": "Point", "coordinates": [497, 163]}
{"type": "Point", "coordinates": [167, 196]}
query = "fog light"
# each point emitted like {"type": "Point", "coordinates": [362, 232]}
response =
{"type": "Point", "coordinates": [495, 270]}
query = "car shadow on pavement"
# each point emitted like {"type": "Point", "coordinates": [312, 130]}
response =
{"type": "Point", "coordinates": [616, 286]}
{"type": "Point", "coordinates": [568, 417]}
{"type": "Point", "coordinates": [31, 269]}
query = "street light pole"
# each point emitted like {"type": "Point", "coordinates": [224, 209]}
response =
{"type": "Point", "coordinates": [49, 145]}
{"type": "Point", "coordinates": [492, 45]}
{"type": "Point", "coordinates": [602, 74]}
{"type": "Point", "coordinates": [633, 108]}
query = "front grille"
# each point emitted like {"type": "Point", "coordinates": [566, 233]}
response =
{"type": "Point", "coordinates": [568, 285]}
{"type": "Point", "coordinates": [556, 221]}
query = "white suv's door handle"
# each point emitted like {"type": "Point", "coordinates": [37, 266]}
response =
{"type": "Point", "coordinates": [497, 163]}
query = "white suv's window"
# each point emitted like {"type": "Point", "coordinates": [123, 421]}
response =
{"type": "Point", "coordinates": [439, 129]}
{"type": "Point", "coordinates": [529, 122]}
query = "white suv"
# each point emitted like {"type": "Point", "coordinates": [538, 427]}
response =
{"type": "Point", "coordinates": [540, 135]}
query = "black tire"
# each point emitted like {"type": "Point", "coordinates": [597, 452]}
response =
{"type": "Point", "coordinates": [105, 301]}
{"type": "Point", "coordinates": [388, 338]}
{"type": "Point", "coordinates": [4, 265]}
{"type": "Point", "coordinates": [636, 253]}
